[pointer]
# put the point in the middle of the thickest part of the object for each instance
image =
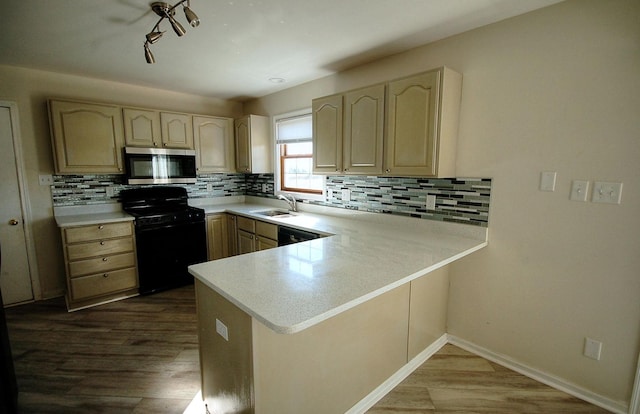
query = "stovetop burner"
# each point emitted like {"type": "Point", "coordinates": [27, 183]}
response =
{"type": "Point", "coordinates": [160, 205]}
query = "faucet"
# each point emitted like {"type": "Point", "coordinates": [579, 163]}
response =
{"type": "Point", "coordinates": [293, 205]}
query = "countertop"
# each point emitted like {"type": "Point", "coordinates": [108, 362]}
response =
{"type": "Point", "coordinates": [294, 287]}
{"type": "Point", "coordinates": [291, 288]}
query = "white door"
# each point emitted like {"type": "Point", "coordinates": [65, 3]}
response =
{"type": "Point", "coordinates": [15, 278]}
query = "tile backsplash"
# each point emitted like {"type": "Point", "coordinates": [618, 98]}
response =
{"type": "Point", "coordinates": [461, 200]}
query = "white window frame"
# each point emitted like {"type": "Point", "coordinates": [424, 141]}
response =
{"type": "Point", "coordinates": [276, 163]}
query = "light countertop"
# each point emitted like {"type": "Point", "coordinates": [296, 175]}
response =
{"type": "Point", "coordinates": [291, 288]}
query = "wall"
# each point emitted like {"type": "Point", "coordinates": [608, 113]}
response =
{"type": "Point", "coordinates": [557, 89]}
{"type": "Point", "coordinates": [30, 89]}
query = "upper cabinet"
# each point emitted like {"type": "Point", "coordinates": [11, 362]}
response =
{"type": "Point", "coordinates": [177, 130]}
{"type": "Point", "coordinates": [407, 127]}
{"type": "Point", "coordinates": [87, 137]}
{"type": "Point", "coordinates": [327, 134]}
{"type": "Point", "coordinates": [422, 124]}
{"type": "Point", "coordinates": [213, 138]}
{"type": "Point", "coordinates": [141, 127]}
{"type": "Point", "coordinates": [253, 145]}
{"type": "Point", "coordinates": [150, 128]}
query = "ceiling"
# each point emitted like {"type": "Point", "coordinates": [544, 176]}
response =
{"type": "Point", "coordinates": [240, 44]}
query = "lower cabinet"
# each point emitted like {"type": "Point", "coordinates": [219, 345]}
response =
{"type": "Point", "coordinates": [100, 261]}
{"type": "Point", "coordinates": [217, 236]}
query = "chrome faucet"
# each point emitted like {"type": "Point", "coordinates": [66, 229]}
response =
{"type": "Point", "coordinates": [293, 205]}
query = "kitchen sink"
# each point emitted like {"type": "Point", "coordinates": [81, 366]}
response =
{"type": "Point", "coordinates": [274, 213]}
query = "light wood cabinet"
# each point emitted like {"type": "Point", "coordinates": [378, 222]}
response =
{"type": "Point", "coordinates": [213, 139]}
{"type": "Point", "coordinates": [253, 147]}
{"type": "Point", "coordinates": [142, 127]}
{"type": "Point", "coordinates": [328, 127]}
{"type": "Point", "coordinates": [407, 127]}
{"type": "Point", "coordinates": [87, 137]}
{"type": "Point", "coordinates": [363, 130]}
{"type": "Point", "coordinates": [177, 130]}
{"type": "Point", "coordinates": [422, 124]}
{"type": "Point", "coordinates": [100, 262]}
{"type": "Point", "coordinates": [217, 238]}
{"type": "Point", "coordinates": [232, 234]}
{"type": "Point", "coordinates": [256, 235]}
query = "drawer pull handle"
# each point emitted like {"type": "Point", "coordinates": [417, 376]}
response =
{"type": "Point", "coordinates": [100, 227]}
{"type": "Point", "coordinates": [105, 275]}
{"type": "Point", "coordinates": [104, 259]}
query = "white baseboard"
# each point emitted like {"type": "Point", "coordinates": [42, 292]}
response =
{"type": "Point", "coordinates": [540, 376]}
{"type": "Point", "coordinates": [383, 389]}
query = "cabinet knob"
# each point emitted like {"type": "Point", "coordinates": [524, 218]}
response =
{"type": "Point", "coordinates": [387, 170]}
{"type": "Point", "coordinates": [105, 275]}
{"type": "Point", "coordinates": [100, 227]}
{"type": "Point", "coordinates": [102, 243]}
{"type": "Point", "coordinates": [104, 259]}
{"type": "Point", "coordinates": [13, 222]}
{"type": "Point", "coordinates": [346, 169]}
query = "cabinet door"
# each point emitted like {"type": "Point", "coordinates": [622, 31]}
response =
{"type": "Point", "coordinates": [412, 125]}
{"type": "Point", "coordinates": [363, 130]}
{"type": "Point", "coordinates": [217, 239]}
{"type": "Point", "coordinates": [232, 234]}
{"type": "Point", "coordinates": [177, 130]}
{"type": "Point", "coordinates": [263, 243]}
{"type": "Point", "coordinates": [243, 145]}
{"type": "Point", "coordinates": [213, 139]}
{"type": "Point", "coordinates": [87, 138]}
{"type": "Point", "coordinates": [246, 242]}
{"type": "Point", "coordinates": [141, 127]}
{"type": "Point", "coordinates": [327, 135]}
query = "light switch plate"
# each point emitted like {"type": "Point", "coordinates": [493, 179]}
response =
{"type": "Point", "coordinates": [579, 190]}
{"type": "Point", "coordinates": [222, 330]}
{"type": "Point", "coordinates": [592, 348]}
{"type": "Point", "coordinates": [548, 181]}
{"type": "Point", "coordinates": [610, 193]}
{"type": "Point", "coordinates": [346, 195]}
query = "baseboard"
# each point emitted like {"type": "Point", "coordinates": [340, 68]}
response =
{"type": "Point", "coordinates": [383, 389]}
{"type": "Point", "coordinates": [540, 376]}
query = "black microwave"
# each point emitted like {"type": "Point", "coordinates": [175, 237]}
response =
{"type": "Point", "coordinates": [160, 166]}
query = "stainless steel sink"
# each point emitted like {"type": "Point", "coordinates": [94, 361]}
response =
{"type": "Point", "coordinates": [273, 213]}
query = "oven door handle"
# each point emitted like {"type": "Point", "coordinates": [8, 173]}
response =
{"type": "Point", "coordinates": [168, 226]}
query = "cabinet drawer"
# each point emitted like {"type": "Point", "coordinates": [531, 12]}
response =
{"type": "Point", "coordinates": [101, 264]}
{"type": "Point", "coordinates": [103, 283]}
{"type": "Point", "coordinates": [99, 248]}
{"type": "Point", "coordinates": [267, 230]}
{"type": "Point", "coordinates": [246, 224]}
{"type": "Point", "coordinates": [98, 232]}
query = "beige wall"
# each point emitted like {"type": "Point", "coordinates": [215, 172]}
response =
{"type": "Point", "coordinates": [554, 90]}
{"type": "Point", "coordinates": [30, 89]}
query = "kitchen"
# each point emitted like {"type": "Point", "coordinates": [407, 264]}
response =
{"type": "Point", "coordinates": [529, 105]}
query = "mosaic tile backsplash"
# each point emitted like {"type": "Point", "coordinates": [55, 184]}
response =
{"type": "Point", "coordinates": [461, 200]}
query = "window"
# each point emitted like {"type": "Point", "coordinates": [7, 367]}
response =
{"type": "Point", "coordinates": [294, 150]}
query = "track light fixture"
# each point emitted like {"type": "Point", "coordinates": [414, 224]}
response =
{"type": "Point", "coordinates": [166, 11]}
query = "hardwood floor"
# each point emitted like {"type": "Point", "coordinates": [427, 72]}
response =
{"type": "Point", "coordinates": [456, 381]}
{"type": "Point", "coordinates": [140, 356]}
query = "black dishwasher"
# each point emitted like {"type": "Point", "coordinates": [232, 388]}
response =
{"type": "Point", "coordinates": [288, 235]}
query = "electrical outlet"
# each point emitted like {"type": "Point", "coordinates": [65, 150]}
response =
{"type": "Point", "coordinates": [607, 193]}
{"type": "Point", "coordinates": [222, 330]}
{"type": "Point", "coordinates": [45, 179]}
{"type": "Point", "coordinates": [592, 348]}
{"type": "Point", "coordinates": [110, 191]}
{"type": "Point", "coordinates": [431, 202]}
{"type": "Point", "coordinates": [264, 188]}
{"type": "Point", "coordinates": [209, 187]}
{"type": "Point", "coordinates": [346, 195]}
{"type": "Point", "coordinates": [579, 190]}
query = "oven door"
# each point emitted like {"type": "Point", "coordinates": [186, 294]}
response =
{"type": "Point", "coordinates": [160, 166]}
{"type": "Point", "coordinates": [165, 252]}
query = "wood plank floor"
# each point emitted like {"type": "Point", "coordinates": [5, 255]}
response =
{"type": "Point", "coordinates": [140, 356]}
